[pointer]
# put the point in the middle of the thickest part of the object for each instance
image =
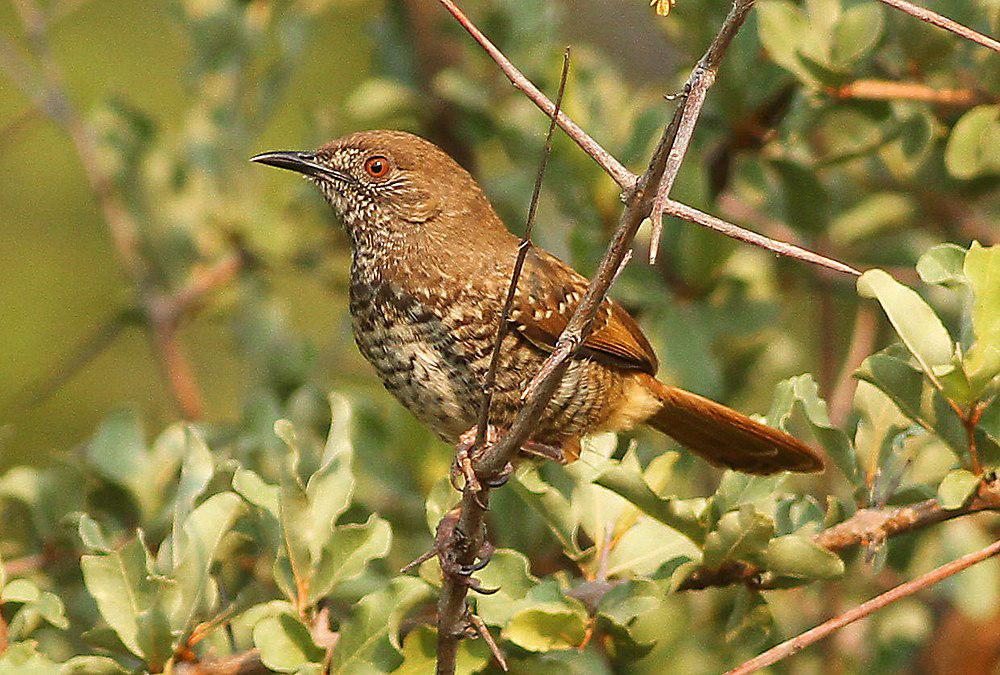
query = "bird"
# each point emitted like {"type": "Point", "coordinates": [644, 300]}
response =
{"type": "Point", "coordinates": [430, 267]}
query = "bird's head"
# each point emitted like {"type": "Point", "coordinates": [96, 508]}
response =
{"type": "Point", "coordinates": [382, 182]}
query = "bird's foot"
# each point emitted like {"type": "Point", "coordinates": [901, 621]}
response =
{"type": "Point", "coordinates": [448, 542]}
{"type": "Point", "coordinates": [543, 451]}
{"type": "Point", "coordinates": [467, 451]}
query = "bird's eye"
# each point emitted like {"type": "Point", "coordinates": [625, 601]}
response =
{"type": "Point", "coordinates": [377, 166]}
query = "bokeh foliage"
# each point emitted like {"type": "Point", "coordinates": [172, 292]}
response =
{"type": "Point", "coordinates": [279, 522]}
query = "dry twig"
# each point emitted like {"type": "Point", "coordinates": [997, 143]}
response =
{"type": "Point", "coordinates": [940, 21]}
{"type": "Point", "coordinates": [800, 642]}
{"type": "Point", "coordinates": [465, 545]}
{"type": "Point", "coordinates": [882, 90]}
{"type": "Point", "coordinates": [865, 527]}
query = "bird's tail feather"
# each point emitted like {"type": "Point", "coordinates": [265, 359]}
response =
{"type": "Point", "coordinates": [725, 437]}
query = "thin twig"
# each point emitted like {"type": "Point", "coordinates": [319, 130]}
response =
{"type": "Point", "coordinates": [522, 253]}
{"type": "Point", "coordinates": [864, 528]}
{"type": "Point", "coordinates": [463, 548]}
{"type": "Point", "coordinates": [800, 642]}
{"type": "Point", "coordinates": [940, 21]}
{"type": "Point", "coordinates": [625, 178]}
{"type": "Point", "coordinates": [679, 210]}
{"type": "Point", "coordinates": [696, 88]}
{"type": "Point", "coordinates": [883, 90]}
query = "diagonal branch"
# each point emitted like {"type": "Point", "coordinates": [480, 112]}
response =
{"type": "Point", "coordinates": [800, 642]}
{"type": "Point", "coordinates": [867, 527]}
{"type": "Point", "coordinates": [465, 544]}
{"type": "Point", "coordinates": [622, 176]}
{"type": "Point", "coordinates": [940, 21]}
{"type": "Point", "coordinates": [696, 88]}
{"type": "Point", "coordinates": [515, 275]}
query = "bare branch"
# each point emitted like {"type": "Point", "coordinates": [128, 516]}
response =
{"type": "Point", "coordinates": [625, 178]}
{"type": "Point", "coordinates": [883, 90]}
{"type": "Point", "coordinates": [698, 83]}
{"type": "Point", "coordinates": [702, 77]}
{"type": "Point", "coordinates": [468, 537]}
{"type": "Point", "coordinates": [940, 21]}
{"type": "Point", "coordinates": [679, 210]}
{"type": "Point", "coordinates": [800, 642]}
{"type": "Point", "coordinates": [864, 528]}
{"type": "Point", "coordinates": [515, 275]}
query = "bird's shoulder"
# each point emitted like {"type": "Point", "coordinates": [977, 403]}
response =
{"type": "Point", "coordinates": [548, 293]}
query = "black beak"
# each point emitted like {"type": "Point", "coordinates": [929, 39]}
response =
{"type": "Point", "coordinates": [300, 162]}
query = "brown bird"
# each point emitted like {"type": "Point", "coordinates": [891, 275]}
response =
{"type": "Point", "coordinates": [431, 265]}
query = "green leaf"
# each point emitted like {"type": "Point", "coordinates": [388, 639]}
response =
{"type": "Point", "coordinates": [982, 362]}
{"type": "Point", "coordinates": [942, 264]}
{"type": "Point", "coordinates": [956, 488]}
{"type": "Point", "coordinates": [119, 582]}
{"type": "Point", "coordinates": [972, 148]}
{"type": "Point", "coordinates": [801, 393]}
{"type": "Point", "coordinates": [806, 202]}
{"type": "Point", "coordinates": [20, 591]}
{"type": "Point", "coordinates": [856, 34]}
{"type": "Point", "coordinates": [202, 532]}
{"type": "Point", "coordinates": [252, 488]}
{"type": "Point", "coordinates": [915, 398]}
{"type": "Point", "coordinates": [92, 535]}
{"type": "Point", "coordinates": [197, 470]}
{"type": "Point", "coordinates": [285, 643]}
{"type": "Point", "coordinates": [551, 505]}
{"type": "Point", "coordinates": [680, 514]}
{"type": "Point", "coordinates": [441, 500]}
{"type": "Point", "coordinates": [751, 621]}
{"type": "Point", "coordinates": [509, 571]}
{"type": "Point", "coordinates": [618, 612]}
{"type": "Point", "coordinates": [420, 654]}
{"type": "Point", "coordinates": [92, 665]}
{"type": "Point", "coordinates": [347, 552]}
{"type": "Point", "coordinates": [369, 639]}
{"type": "Point", "coordinates": [547, 627]}
{"type": "Point", "coordinates": [782, 26]}
{"type": "Point", "coordinates": [646, 546]}
{"type": "Point", "coordinates": [798, 556]}
{"type": "Point", "coordinates": [919, 327]}
{"type": "Point", "coordinates": [739, 535]}
{"type": "Point", "coordinates": [874, 214]}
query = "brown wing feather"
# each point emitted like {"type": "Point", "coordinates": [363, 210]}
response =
{"type": "Point", "coordinates": [548, 293]}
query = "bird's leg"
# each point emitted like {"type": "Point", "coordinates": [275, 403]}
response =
{"type": "Point", "coordinates": [448, 541]}
{"type": "Point", "coordinates": [466, 453]}
{"type": "Point", "coordinates": [543, 451]}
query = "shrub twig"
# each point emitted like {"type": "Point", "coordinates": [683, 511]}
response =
{"type": "Point", "coordinates": [865, 527]}
{"type": "Point", "coordinates": [464, 545]}
{"type": "Point", "coordinates": [940, 21]}
{"type": "Point", "coordinates": [800, 642]}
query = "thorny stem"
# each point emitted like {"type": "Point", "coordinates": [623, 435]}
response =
{"type": "Point", "coordinates": [452, 606]}
{"type": "Point", "coordinates": [469, 531]}
{"type": "Point", "coordinates": [800, 642]}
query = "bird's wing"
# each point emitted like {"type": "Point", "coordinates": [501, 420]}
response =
{"type": "Point", "coordinates": [548, 293]}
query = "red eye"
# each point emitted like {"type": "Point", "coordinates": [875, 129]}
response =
{"type": "Point", "coordinates": [377, 166]}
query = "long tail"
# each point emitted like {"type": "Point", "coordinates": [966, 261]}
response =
{"type": "Point", "coordinates": [725, 437]}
